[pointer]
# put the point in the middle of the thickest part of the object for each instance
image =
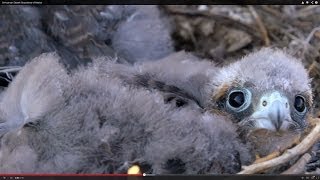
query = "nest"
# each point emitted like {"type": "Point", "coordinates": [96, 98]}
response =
{"type": "Point", "coordinates": [300, 154]}
{"type": "Point", "coordinates": [297, 156]}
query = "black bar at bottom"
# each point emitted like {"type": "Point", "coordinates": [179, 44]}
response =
{"type": "Point", "coordinates": [162, 177]}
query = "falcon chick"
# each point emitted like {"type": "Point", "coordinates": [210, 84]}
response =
{"type": "Point", "coordinates": [267, 91]}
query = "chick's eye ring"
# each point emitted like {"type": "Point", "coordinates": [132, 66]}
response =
{"type": "Point", "coordinates": [238, 99]}
{"type": "Point", "coordinates": [300, 103]}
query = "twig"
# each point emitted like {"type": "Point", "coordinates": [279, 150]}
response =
{"type": "Point", "coordinates": [272, 11]}
{"type": "Point", "coordinates": [306, 43]}
{"type": "Point", "coordinates": [314, 66]}
{"type": "Point", "coordinates": [267, 158]}
{"type": "Point", "coordinates": [306, 11]}
{"type": "Point", "coordinates": [301, 148]}
{"type": "Point", "coordinates": [218, 18]}
{"type": "Point", "coordinates": [299, 166]}
{"type": "Point", "coordinates": [8, 69]}
{"type": "Point", "coordinates": [261, 26]}
{"type": "Point", "coordinates": [311, 34]}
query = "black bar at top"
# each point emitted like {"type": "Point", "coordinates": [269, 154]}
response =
{"type": "Point", "coordinates": [161, 2]}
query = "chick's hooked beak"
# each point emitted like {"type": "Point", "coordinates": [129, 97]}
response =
{"type": "Point", "coordinates": [272, 112]}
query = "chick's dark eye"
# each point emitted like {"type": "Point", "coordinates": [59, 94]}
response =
{"type": "Point", "coordinates": [236, 99]}
{"type": "Point", "coordinates": [299, 104]}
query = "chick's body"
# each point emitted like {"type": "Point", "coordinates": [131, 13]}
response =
{"type": "Point", "coordinates": [98, 123]}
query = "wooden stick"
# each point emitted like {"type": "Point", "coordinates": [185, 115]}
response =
{"type": "Point", "coordinates": [267, 158]}
{"type": "Point", "coordinates": [298, 167]}
{"type": "Point", "coordinates": [225, 20]}
{"type": "Point", "coordinates": [261, 26]}
{"type": "Point", "coordinates": [301, 148]}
